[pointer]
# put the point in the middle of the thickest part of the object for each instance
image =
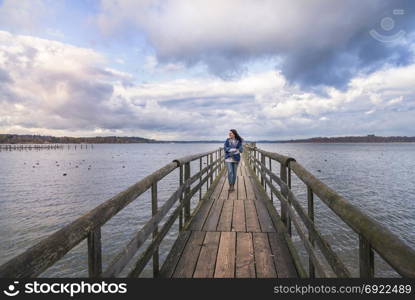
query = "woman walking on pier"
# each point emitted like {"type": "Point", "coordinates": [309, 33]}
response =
{"type": "Point", "coordinates": [233, 147]}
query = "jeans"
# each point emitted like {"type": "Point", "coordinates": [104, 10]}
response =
{"type": "Point", "coordinates": [232, 167]}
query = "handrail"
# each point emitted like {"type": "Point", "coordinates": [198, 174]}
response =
{"type": "Point", "coordinates": [185, 159]}
{"type": "Point", "coordinates": [391, 248]}
{"type": "Point", "coordinates": [128, 252]}
{"type": "Point", "coordinates": [335, 262]}
{"type": "Point", "coordinates": [372, 234]}
{"type": "Point", "coordinates": [44, 254]}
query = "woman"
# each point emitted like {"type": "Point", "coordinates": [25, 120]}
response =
{"type": "Point", "coordinates": [233, 146]}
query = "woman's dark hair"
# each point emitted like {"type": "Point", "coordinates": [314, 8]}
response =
{"type": "Point", "coordinates": [237, 136]}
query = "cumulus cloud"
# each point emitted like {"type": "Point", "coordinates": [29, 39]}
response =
{"type": "Point", "coordinates": [49, 81]}
{"type": "Point", "coordinates": [50, 87]}
{"type": "Point", "coordinates": [320, 42]}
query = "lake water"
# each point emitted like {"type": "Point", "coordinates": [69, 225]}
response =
{"type": "Point", "coordinates": [36, 199]}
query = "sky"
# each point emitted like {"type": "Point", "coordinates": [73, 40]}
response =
{"type": "Point", "coordinates": [192, 70]}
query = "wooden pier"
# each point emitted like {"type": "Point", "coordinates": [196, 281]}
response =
{"type": "Point", "coordinates": [246, 233]}
{"type": "Point", "coordinates": [231, 235]}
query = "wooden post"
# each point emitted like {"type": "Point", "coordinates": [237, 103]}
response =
{"type": "Point", "coordinates": [187, 192]}
{"type": "Point", "coordinates": [181, 198]}
{"type": "Point", "coordinates": [249, 156]}
{"type": "Point", "coordinates": [207, 164]}
{"type": "Point", "coordinates": [366, 258]}
{"type": "Point", "coordinates": [262, 171]}
{"type": "Point", "coordinates": [220, 158]}
{"type": "Point", "coordinates": [200, 180]}
{"type": "Point", "coordinates": [257, 158]}
{"type": "Point", "coordinates": [154, 207]}
{"type": "Point", "coordinates": [285, 217]}
{"type": "Point", "coordinates": [310, 206]}
{"type": "Point", "coordinates": [216, 160]}
{"type": "Point", "coordinates": [211, 168]}
{"type": "Point", "coordinates": [94, 253]}
{"type": "Point", "coordinates": [283, 208]}
{"type": "Point", "coordinates": [270, 180]}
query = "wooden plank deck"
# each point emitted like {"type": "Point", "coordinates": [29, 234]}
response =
{"type": "Point", "coordinates": [231, 235]}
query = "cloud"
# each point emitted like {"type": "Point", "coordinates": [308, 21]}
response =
{"type": "Point", "coordinates": [119, 61]}
{"type": "Point", "coordinates": [264, 105]}
{"type": "Point", "coordinates": [53, 83]}
{"type": "Point", "coordinates": [26, 15]}
{"type": "Point", "coordinates": [50, 87]}
{"type": "Point", "coordinates": [4, 77]}
{"type": "Point", "coordinates": [152, 65]}
{"type": "Point", "coordinates": [320, 42]}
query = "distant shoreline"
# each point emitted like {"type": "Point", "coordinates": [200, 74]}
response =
{"type": "Point", "coordinates": [39, 139]}
{"type": "Point", "coordinates": [371, 138]}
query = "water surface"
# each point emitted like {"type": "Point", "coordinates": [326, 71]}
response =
{"type": "Point", "coordinates": [36, 199]}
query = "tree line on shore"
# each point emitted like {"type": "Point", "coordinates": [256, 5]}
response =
{"type": "Point", "coordinates": [41, 139]}
{"type": "Point", "coordinates": [371, 138]}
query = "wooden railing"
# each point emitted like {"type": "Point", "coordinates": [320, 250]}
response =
{"type": "Point", "coordinates": [373, 236]}
{"type": "Point", "coordinates": [43, 255]}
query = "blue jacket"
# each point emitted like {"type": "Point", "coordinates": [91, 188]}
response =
{"type": "Point", "coordinates": [227, 147]}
